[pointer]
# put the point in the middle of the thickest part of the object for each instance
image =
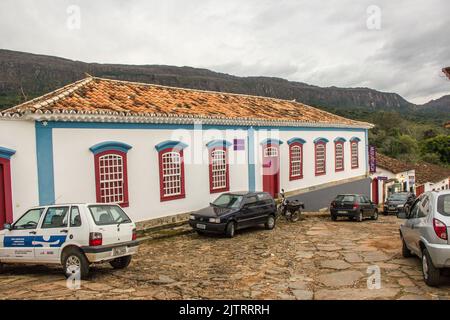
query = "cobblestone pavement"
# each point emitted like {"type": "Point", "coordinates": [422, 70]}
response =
{"type": "Point", "coordinates": [312, 259]}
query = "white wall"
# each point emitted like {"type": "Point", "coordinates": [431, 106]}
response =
{"type": "Point", "coordinates": [309, 177]}
{"type": "Point", "coordinates": [20, 136]}
{"type": "Point", "coordinates": [440, 185]}
{"type": "Point", "coordinates": [75, 176]}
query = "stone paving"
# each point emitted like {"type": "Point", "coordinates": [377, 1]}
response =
{"type": "Point", "coordinates": [314, 258]}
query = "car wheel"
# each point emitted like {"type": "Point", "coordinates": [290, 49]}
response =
{"type": "Point", "coordinates": [375, 215]}
{"type": "Point", "coordinates": [359, 217]}
{"type": "Point", "coordinates": [406, 209]}
{"type": "Point", "coordinates": [231, 229]}
{"type": "Point", "coordinates": [406, 253]}
{"type": "Point", "coordinates": [430, 273]}
{"type": "Point", "coordinates": [270, 223]}
{"type": "Point", "coordinates": [333, 217]}
{"type": "Point", "coordinates": [120, 263]}
{"type": "Point", "coordinates": [74, 262]}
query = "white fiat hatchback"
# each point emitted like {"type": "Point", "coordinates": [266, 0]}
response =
{"type": "Point", "coordinates": [73, 235]}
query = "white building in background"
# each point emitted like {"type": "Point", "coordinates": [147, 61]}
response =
{"type": "Point", "coordinates": [163, 151]}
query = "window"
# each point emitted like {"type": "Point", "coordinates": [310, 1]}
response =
{"type": "Point", "coordinates": [296, 161]}
{"type": "Point", "coordinates": [218, 170]}
{"type": "Point", "coordinates": [55, 218]}
{"type": "Point", "coordinates": [354, 154]}
{"type": "Point", "coordinates": [107, 215]}
{"type": "Point", "coordinates": [75, 218]}
{"type": "Point", "coordinates": [270, 152]}
{"type": "Point", "coordinates": [320, 155]}
{"type": "Point", "coordinates": [339, 155]}
{"type": "Point", "coordinates": [29, 220]}
{"type": "Point", "coordinates": [171, 168]}
{"type": "Point", "coordinates": [111, 177]}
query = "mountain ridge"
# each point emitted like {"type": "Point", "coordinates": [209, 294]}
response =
{"type": "Point", "coordinates": [26, 75]}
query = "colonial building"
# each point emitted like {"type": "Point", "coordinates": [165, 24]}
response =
{"type": "Point", "coordinates": [161, 151]}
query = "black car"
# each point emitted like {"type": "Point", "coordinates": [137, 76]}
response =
{"type": "Point", "coordinates": [353, 206]}
{"type": "Point", "coordinates": [233, 211]}
{"type": "Point", "coordinates": [398, 202]}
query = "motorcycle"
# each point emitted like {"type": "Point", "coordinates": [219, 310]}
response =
{"type": "Point", "coordinates": [291, 210]}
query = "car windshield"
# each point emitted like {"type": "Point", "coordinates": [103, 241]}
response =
{"type": "Point", "coordinates": [398, 196]}
{"type": "Point", "coordinates": [345, 198]}
{"type": "Point", "coordinates": [443, 204]}
{"type": "Point", "coordinates": [107, 214]}
{"type": "Point", "coordinates": [228, 201]}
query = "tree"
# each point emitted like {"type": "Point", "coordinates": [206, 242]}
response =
{"type": "Point", "coordinates": [439, 145]}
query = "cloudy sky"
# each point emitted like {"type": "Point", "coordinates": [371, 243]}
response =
{"type": "Point", "coordinates": [396, 46]}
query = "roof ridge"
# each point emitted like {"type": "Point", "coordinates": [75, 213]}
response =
{"type": "Point", "coordinates": [226, 93]}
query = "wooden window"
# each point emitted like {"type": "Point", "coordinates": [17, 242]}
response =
{"type": "Point", "coordinates": [354, 154]}
{"type": "Point", "coordinates": [339, 156]}
{"type": "Point", "coordinates": [320, 158]}
{"type": "Point", "coordinates": [218, 170]}
{"type": "Point", "coordinates": [171, 169]}
{"type": "Point", "coordinates": [111, 177]}
{"type": "Point", "coordinates": [270, 152]}
{"type": "Point", "coordinates": [295, 161]}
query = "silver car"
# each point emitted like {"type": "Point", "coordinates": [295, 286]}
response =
{"type": "Point", "coordinates": [425, 233]}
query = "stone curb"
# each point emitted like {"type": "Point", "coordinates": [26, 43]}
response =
{"type": "Point", "coordinates": [182, 228]}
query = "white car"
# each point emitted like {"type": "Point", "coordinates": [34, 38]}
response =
{"type": "Point", "coordinates": [73, 235]}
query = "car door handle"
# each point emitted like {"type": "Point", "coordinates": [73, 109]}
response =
{"type": "Point", "coordinates": [64, 231]}
{"type": "Point", "coordinates": [32, 232]}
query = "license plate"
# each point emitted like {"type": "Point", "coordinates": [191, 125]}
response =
{"type": "Point", "coordinates": [119, 251]}
{"type": "Point", "coordinates": [342, 211]}
{"type": "Point", "coordinates": [201, 226]}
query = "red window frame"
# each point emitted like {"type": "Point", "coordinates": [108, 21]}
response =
{"type": "Point", "coordinates": [7, 191]}
{"type": "Point", "coordinates": [291, 146]}
{"type": "Point", "coordinates": [357, 154]}
{"type": "Point", "coordinates": [324, 158]}
{"type": "Point", "coordinates": [335, 156]}
{"type": "Point", "coordinates": [227, 172]}
{"type": "Point", "coordinates": [182, 194]}
{"type": "Point", "coordinates": [125, 202]}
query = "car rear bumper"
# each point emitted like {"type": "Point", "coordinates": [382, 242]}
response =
{"type": "Point", "coordinates": [440, 254]}
{"type": "Point", "coordinates": [394, 210]}
{"type": "Point", "coordinates": [208, 227]}
{"type": "Point", "coordinates": [108, 252]}
{"type": "Point", "coordinates": [344, 212]}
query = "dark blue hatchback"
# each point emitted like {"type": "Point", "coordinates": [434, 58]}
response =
{"type": "Point", "coordinates": [233, 211]}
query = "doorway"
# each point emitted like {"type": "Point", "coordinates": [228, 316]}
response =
{"type": "Point", "coordinates": [375, 191]}
{"type": "Point", "coordinates": [271, 169]}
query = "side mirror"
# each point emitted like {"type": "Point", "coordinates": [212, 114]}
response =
{"type": "Point", "coordinates": [402, 215]}
{"type": "Point", "coordinates": [7, 226]}
{"type": "Point", "coordinates": [282, 190]}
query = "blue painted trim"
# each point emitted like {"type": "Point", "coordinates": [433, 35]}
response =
{"type": "Point", "coordinates": [251, 159]}
{"type": "Point", "coordinates": [356, 138]}
{"type": "Point", "coordinates": [6, 153]}
{"type": "Point", "coordinates": [296, 140]}
{"type": "Point", "coordinates": [44, 156]}
{"type": "Point", "coordinates": [340, 139]}
{"type": "Point", "coordinates": [110, 145]}
{"type": "Point", "coordinates": [110, 125]}
{"type": "Point", "coordinates": [218, 143]}
{"type": "Point", "coordinates": [271, 141]}
{"type": "Point", "coordinates": [323, 140]}
{"type": "Point", "coordinates": [170, 144]}
{"type": "Point", "coordinates": [366, 136]}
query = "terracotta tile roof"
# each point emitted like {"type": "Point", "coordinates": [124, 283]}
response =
{"type": "Point", "coordinates": [392, 165]}
{"type": "Point", "coordinates": [425, 172]}
{"type": "Point", "coordinates": [93, 96]}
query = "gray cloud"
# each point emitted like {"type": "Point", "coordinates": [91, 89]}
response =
{"type": "Point", "coordinates": [323, 43]}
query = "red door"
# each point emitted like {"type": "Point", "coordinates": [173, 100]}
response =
{"type": "Point", "coordinates": [2, 197]}
{"type": "Point", "coordinates": [375, 190]}
{"type": "Point", "coordinates": [271, 170]}
{"type": "Point", "coordinates": [420, 190]}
